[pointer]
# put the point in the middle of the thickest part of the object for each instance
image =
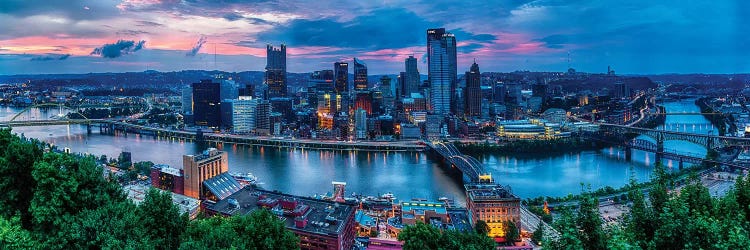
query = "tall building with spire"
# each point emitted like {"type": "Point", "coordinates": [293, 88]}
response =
{"type": "Point", "coordinates": [473, 91]}
{"type": "Point", "coordinates": [441, 69]}
{"type": "Point", "coordinates": [411, 77]}
{"type": "Point", "coordinates": [360, 75]}
{"type": "Point", "coordinates": [275, 76]}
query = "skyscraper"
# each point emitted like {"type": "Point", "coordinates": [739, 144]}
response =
{"type": "Point", "coordinates": [206, 101]}
{"type": "Point", "coordinates": [411, 77]}
{"type": "Point", "coordinates": [341, 77]}
{"type": "Point", "coordinates": [473, 91]}
{"type": "Point", "coordinates": [360, 75]}
{"type": "Point", "coordinates": [441, 69]}
{"type": "Point", "coordinates": [276, 71]}
{"type": "Point", "coordinates": [187, 100]}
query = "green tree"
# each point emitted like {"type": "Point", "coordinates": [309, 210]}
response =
{"type": "Point", "coordinates": [161, 219]}
{"type": "Point", "coordinates": [420, 236]}
{"type": "Point", "coordinates": [12, 236]}
{"type": "Point", "coordinates": [17, 185]}
{"type": "Point", "coordinates": [259, 230]}
{"type": "Point", "coordinates": [512, 234]}
{"type": "Point", "coordinates": [481, 227]}
{"type": "Point", "coordinates": [590, 223]}
{"type": "Point", "coordinates": [538, 235]}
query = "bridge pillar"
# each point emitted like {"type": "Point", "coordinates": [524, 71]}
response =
{"type": "Point", "coordinates": [681, 164]}
{"type": "Point", "coordinates": [628, 153]}
{"type": "Point", "coordinates": [88, 128]}
{"type": "Point", "coordinates": [659, 148]}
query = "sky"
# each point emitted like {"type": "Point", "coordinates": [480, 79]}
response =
{"type": "Point", "coordinates": [633, 37]}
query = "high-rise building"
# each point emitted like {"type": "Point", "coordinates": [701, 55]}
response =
{"type": "Point", "coordinates": [360, 124]}
{"type": "Point", "coordinates": [187, 100]}
{"type": "Point", "coordinates": [363, 100]}
{"type": "Point", "coordinates": [540, 90]}
{"type": "Point", "coordinates": [275, 76]}
{"type": "Point", "coordinates": [411, 77]}
{"type": "Point", "coordinates": [499, 91]}
{"type": "Point", "coordinates": [401, 85]}
{"type": "Point", "coordinates": [248, 90]}
{"type": "Point", "coordinates": [473, 91]}
{"type": "Point", "coordinates": [360, 75]}
{"type": "Point", "coordinates": [243, 115]}
{"type": "Point", "coordinates": [206, 101]}
{"type": "Point", "coordinates": [263, 117]}
{"type": "Point", "coordinates": [441, 69]}
{"type": "Point", "coordinates": [341, 77]}
{"type": "Point", "coordinates": [198, 168]}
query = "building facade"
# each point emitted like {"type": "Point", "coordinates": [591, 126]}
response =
{"type": "Point", "coordinates": [360, 75]}
{"type": "Point", "coordinates": [473, 91]}
{"type": "Point", "coordinates": [494, 204]}
{"type": "Point", "coordinates": [341, 77]}
{"type": "Point", "coordinates": [441, 69]}
{"type": "Point", "coordinates": [275, 76]}
{"type": "Point", "coordinates": [206, 103]}
{"type": "Point", "coordinates": [198, 168]}
{"type": "Point", "coordinates": [411, 77]}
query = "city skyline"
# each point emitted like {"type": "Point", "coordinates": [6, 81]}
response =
{"type": "Point", "coordinates": [118, 36]}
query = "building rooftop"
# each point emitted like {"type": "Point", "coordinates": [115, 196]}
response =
{"type": "Point", "coordinates": [298, 213]}
{"type": "Point", "coordinates": [489, 192]}
{"type": "Point", "coordinates": [421, 206]}
{"type": "Point", "coordinates": [208, 153]}
{"type": "Point", "coordinates": [222, 185]}
{"type": "Point", "coordinates": [137, 193]}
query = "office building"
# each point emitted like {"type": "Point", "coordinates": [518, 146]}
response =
{"type": "Point", "coordinates": [473, 91]}
{"type": "Point", "coordinates": [494, 204]}
{"type": "Point", "coordinates": [275, 76]}
{"type": "Point", "coordinates": [360, 75]}
{"type": "Point", "coordinates": [341, 77]}
{"type": "Point", "coordinates": [441, 69]}
{"type": "Point", "coordinates": [411, 77]}
{"type": "Point", "coordinates": [263, 117]}
{"type": "Point", "coordinates": [363, 100]}
{"type": "Point", "coordinates": [198, 168]}
{"type": "Point", "coordinates": [187, 100]}
{"type": "Point", "coordinates": [319, 224]}
{"type": "Point", "coordinates": [243, 115]}
{"type": "Point", "coordinates": [206, 101]}
{"type": "Point", "coordinates": [360, 124]}
{"type": "Point", "coordinates": [247, 91]}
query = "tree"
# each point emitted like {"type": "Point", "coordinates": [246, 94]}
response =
{"type": "Point", "coordinates": [161, 219]}
{"type": "Point", "coordinates": [259, 230]}
{"type": "Point", "coordinates": [538, 235]}
{"type": "Point", "coordinates": [420, 236]}
{"type": "Point", "coordinates": [17, 185]}
{"type": "Point", "coordinates": [481, 227]}
{"type": "Point", "coordinates": [512, 234]}
{"type": "Point", "coordinates": [589, 223]}
{"type": "Point", "coordinates": [12, 236]}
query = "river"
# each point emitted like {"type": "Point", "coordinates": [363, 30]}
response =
{"type": "Point", "coordinates": [407, 175]}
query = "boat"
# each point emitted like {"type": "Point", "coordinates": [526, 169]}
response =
{"type": "Point", "coordinates": [245, 178]}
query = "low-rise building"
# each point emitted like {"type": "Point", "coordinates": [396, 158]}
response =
{"type": "Point", "coordinates": [319, 224]}
{"type": "Point", "coordinates": [494, 204]}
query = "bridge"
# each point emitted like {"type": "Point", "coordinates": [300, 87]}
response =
{"type": "Point", "coordinates": [709, 141]}
{"type": "Point", "coordinates": [31, 123]}
{"type": "Point", "coordinates": [468, 165]}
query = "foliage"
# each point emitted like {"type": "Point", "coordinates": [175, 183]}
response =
{"type": "Point", "coordinates": [259, 230]}
{"type": "Point", "coordinates": [423, 236]}
{"type": "Point", "coordinates": [512, 233]}
{"type": "Point", "coordinates": [61, 201]}
{"type": "Point", "coordinates": [481, 227]}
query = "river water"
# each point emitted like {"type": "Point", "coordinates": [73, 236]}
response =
{"type": "Point", "coordinates": [407, 175]}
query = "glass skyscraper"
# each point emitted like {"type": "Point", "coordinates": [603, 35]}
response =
{"type": "Point", "coordinates": [411, 77]}
{"type": "Point", "coordinates": [275, 76]}
{"type": "Point", "coordinates": [341, 77]}
{"type": "Point", "coordinates": [360, 75]}
{"type": "Point", "coordinates": [441, 69]}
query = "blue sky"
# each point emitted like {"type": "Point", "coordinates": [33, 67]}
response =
{"type": "Point", "coordinates": [634, 37]}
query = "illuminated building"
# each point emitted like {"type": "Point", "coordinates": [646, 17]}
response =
{"type": "Point", "coordinates": [360, 75]}
{"type": "Point", "coordinates": [473, 92]}
{"type": "Point", "coordinates": [341, 77]}
{"type": "Point", "coordinates": [411, 77]}
{"type": "Point", "coordinates": [167, 178]}
{"type": "Point", "coordinates": [275, 76]}
{"type": "Point", "coordinates": [441, 69]}
{"type": "Point", "coordinates": [198, 168]}
{"type": "Point", "coordinates": [494, 204]}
